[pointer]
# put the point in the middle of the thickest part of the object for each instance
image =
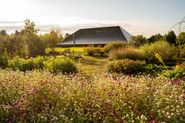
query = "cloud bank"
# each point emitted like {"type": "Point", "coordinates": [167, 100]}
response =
{"type": "Point", "coordinates": [72, 24]}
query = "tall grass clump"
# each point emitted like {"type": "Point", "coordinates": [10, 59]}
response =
{"type": "Point", "coordinates": [39, 96]}
{"type": "Point", "coordinates": [91, 50]}
{"type": "Point", "coordinates": [163, 48]}
{"type": "Point", "coordinates": [114, 45]}
{"type": "Point", "coordinates": [126, 53]}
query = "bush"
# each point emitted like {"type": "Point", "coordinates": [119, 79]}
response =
{"type": "Point", "coordinates": [60, 64]}
{"type": "Point", "coordinates": [54, 53]}
{"type": "Point", "coordinates": [4, 61]}
{"type": "Point", "coordinates": [26, 64]}
{"type": "Point", "coordinates": [91, 50]}
{"type": "Point", "coordinates": [153, 68]}
{"type": "Point", "coordinates": [67, 50]}
{"type": "Point", "coordinates": [177, 73]}
{"type": "Point", "coordinates": [37, 52]}
{"type": "Point", "coordinates": [114, 45]}
{"type": "Point", "coordinates": [126, 53]}
{"type": "Point", "coordinates": [126, 66]}
{"type": "Point", "coordinates": [162, 48]}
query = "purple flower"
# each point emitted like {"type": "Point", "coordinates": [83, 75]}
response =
{"type": "Point", "coordinates": [16, 103]}
{"type": "Point", "coordinates": [21, 100]}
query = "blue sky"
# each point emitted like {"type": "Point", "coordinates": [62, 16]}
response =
{"type": "Point", "coordinates": [146, 17]}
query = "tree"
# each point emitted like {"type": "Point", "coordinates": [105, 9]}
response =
{"type": "Point", "coordinates": [137, 40]}
{"type": "Point", "coordinates": [181, 39]}
{"type": "Point", "coordinates": [3, 32]}
{"type": "Point", "coordinates": [16, 32]}
{"type": "Point", "coordinates": [30, 27]}
{"type": "Point", "coordinates": [156, 37]}
{"type": "Point", "coordinates": [171, 37]}
{"type": "Point", "coordinates": [54, 39]}
{"type": "Point", "coordinates": [67, 35]}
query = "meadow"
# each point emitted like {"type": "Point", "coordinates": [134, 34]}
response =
{"type": "Point", "coordinates": [90, 86]}
{"type": "Point", "coordinates": [39, 96]}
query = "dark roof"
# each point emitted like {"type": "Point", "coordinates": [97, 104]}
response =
{"type": "Point", "coordinates": [96, 36]}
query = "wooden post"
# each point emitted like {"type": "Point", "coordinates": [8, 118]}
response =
{"type": "Point", "coordinates": [74, 42]}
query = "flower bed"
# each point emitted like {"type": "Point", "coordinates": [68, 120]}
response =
{"type": "Point", "coordinates": [40, 96]}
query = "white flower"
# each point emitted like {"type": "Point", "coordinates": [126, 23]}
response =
{"type": "Point", "coordinates": [169, 116]}
{"type": "Point", "coordinates": [142, 117]}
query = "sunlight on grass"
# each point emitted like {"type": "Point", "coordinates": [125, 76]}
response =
{"type": "Point", "coordinates": [77, 49]}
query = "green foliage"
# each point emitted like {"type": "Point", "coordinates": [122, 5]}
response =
{"type": "Point", "coordinates": [30, 27]}
{"type": "Point", "coordinates": [126, 66]}
{"type": "Point", "coordinates": [27, 43]}
{"type": "Point", "coordinates": [60, 64]}
{"type": "Point", "coordinates": [91, 50]}
{"type": "Point", "coordinates": [4, 59]}
{"type": "Point", "coordinates": [171, 38]}
{"type": "Point", "coordinates": [163, 48]}
{"type": "Point", "coordinates": [181, 40]}
{"type": "Point", "coordinates": [137, 41]}
{"type": "Point", "coordinates": [177, 73]}
{"type": "Point", "coordinates": [153, 68]}
{"type": "Point", "coordinates": [26, 64]}
{"type": "Point", "coordinates": [156, 37]}
{"type": "Point", "coordinates": [113, 45]}
{"type": "Point", "coordinates": [174, 74]}
{"type": "Point", "coordinates": [126, 53]}
{"type": "Point", "coordinates": [67, 50]}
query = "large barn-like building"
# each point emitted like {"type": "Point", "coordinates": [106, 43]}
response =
{"type": "Point", "coordinates": [96, 36]}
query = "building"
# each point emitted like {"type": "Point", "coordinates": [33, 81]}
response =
{"type": "Point", "coordinates": [96, 36]}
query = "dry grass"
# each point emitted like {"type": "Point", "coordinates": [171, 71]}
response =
{"type": "Point", "coordinates": [126, 53]}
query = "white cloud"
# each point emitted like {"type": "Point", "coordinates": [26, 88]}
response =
{"type": "Point", "coordinates": [72, 24]}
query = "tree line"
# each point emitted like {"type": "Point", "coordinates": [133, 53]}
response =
{"type": "Point", "coordinates": [169, 37]}
{"type": "Point", "coordinates": [27, 42]}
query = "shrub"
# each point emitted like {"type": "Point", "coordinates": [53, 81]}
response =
{"type": "Point", "coordinates": [151, 68]}
{"type": "Point", "coordinates": [26, 64]}
{"type": "Point", "coordinates": [163, 48]}
{"type": "Point", "coordinates": [126, 66]}
{"type": "Point", "coordinates": [99, 50]}
{"type": "Point", "coordinates": [4, 61]}
{"type": "Point", "coordinates": [60, 64]}
{"type": "Point", "coordinates": [36, 52]}
{"type": "Point", "coordinates": [114, 45]}
{"type": "Point", "coordinates": [91, 50]}
{"type": "Point", "coordinates": [177, 73]}
{"type": "Point", "coordinates": [126, 53]}
{"type": "Point", "coordinates": [67, 50]}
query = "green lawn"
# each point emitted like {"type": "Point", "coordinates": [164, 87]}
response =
{"type": "Point", "coordinates": [76, 49]}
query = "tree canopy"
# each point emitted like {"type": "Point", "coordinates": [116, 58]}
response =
{"type": "Point", "coordinates": [137, 40]}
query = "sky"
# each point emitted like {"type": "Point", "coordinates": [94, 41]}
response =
{"type": "Point", "coordinates": [138, 17]}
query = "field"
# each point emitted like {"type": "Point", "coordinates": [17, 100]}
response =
{"type": "Point", "coordinates": [39, 90]}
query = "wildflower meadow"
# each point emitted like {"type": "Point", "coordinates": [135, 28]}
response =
{"type": "Point", "coordinates": [39, 96]}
